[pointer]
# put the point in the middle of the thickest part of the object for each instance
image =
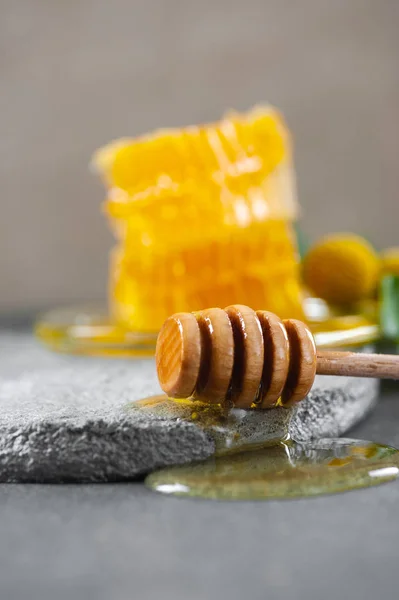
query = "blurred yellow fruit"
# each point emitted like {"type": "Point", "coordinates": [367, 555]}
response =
{"type": "Point", "coordinates": [341, 268]}
{"type": "Point", "coordinates": [390, 261]}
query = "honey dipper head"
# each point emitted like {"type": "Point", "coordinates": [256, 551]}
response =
{"type": "Point", "coordinates": [236, 355]}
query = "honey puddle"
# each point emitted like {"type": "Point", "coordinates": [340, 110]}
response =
{"type": "Point", "coordinates": [256, 460]}
{"type": "Point", "coordinates": [286, 470]}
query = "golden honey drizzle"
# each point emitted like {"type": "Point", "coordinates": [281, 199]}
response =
{"type": "Point", "coordinates": [256, 462]}
{"type": "Point", "coordinates": [231, 429]}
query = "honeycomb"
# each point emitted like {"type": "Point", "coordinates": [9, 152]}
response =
{"type": "Point", "coordinates": [202, 217]}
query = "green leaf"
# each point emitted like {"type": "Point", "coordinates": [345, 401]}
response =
{"type": "Point", "coordinates": [389, 308]}
{"type": "Point", "coordinates": [302, 241]}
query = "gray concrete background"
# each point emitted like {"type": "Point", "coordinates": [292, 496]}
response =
{"type": "Point", "coordinates": [76, 74]}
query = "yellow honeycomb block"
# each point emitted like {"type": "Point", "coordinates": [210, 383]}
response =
{"type": "Point", "coordinates": [203, 217]}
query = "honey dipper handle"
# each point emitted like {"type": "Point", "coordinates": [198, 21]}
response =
{"type": "Point", "coordinates": [382, 366]}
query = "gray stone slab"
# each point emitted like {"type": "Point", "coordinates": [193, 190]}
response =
{"type": "Point", "coordinates": [65, 418]}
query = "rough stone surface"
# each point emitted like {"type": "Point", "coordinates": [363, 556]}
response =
{"type": "Point", "coordinates": [65, 418]}
{"type": "Point", "coordinates": [333, 406]}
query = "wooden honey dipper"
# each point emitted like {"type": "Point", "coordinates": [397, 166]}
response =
{"type": "Point", "coordinates": [243, 357]}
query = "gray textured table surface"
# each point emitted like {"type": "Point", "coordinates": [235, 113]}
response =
{"type": "Point", "coordinates": [124, 542]}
